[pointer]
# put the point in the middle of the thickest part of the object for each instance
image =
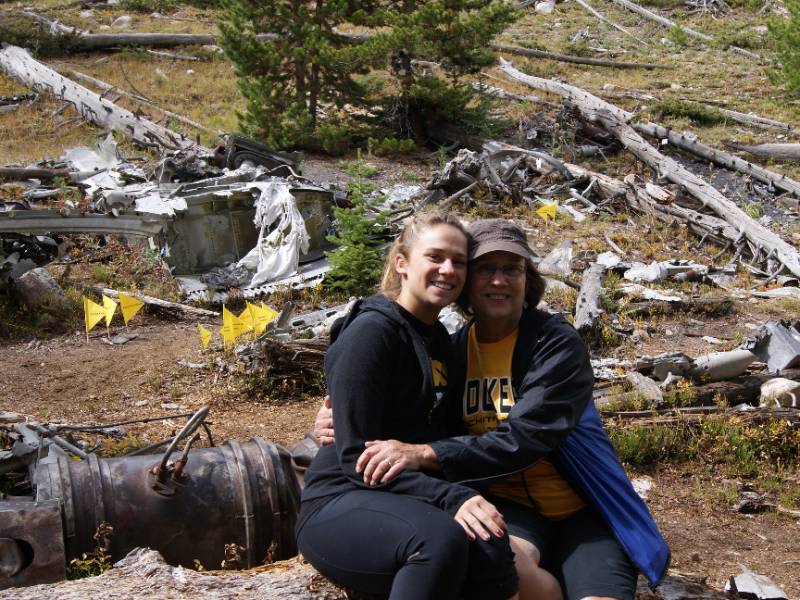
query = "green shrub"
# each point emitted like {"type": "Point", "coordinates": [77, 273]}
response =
{"type": "Point", "coordinates": [356, 262]}
{"type": "Point", "coordinates": [699, 114]}
{"type": "Point", "coordinates": [785, 36]}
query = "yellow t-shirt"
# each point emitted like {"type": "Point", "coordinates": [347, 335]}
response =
{"type": "Point", "coordinates": [488, 398]}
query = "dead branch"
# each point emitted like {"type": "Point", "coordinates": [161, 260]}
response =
{"type": "Point", "coordinates": [608, 21]}
{"type": "Point", "coordinates": [20, 65]}
{"type": "Point", "coordinates": [164, 306]}
{"type": "Point", "coordinates": [587, 307]}
{"type": "Point", "coordinates": [616, 121]}
{"type": "Point", "coordinates": [632, 6]}
{"type": "Point", "coordinates": [753, 120]}
{"type": "Point", "coordinates": [718, 305]}
{"type": "Point", "coordinates": [769, 151]}
{"type": "Point", "coordinates": [580, 60]}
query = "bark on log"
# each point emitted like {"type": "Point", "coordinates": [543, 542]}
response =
{"type": "Point", "coordinates": [580, 60]}
{"type": "Point", "coordinates": [587, 306]}
{"type": "Point", "coordinates": [20, 65]}
{"type": "Point", "coordinates": [774, 151]}
{"type": "Point", "coordinates": [632, 6]}
{"type": "Point", "coordinates": [615, 120]}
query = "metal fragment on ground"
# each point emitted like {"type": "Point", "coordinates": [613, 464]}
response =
{"type": "Point", "coordinates": [776, 344]}
{"type": "Point", "coordinates": [754, 586]}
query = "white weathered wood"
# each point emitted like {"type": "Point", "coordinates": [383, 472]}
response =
{"type": "Point", "coordinates": [587, 307]}
{"type": "Point", "coordinates": [753, 120]}
{"type": "Point", "coordinates": [604, 19]}
{"type": "Point", "coordinates": [774, 151]}
{"type": "Point", "coordinates": [616, 121]}
{"type": "Point", "coordinates": [20, 65]}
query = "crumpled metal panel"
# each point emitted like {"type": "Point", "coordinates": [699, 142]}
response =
{"type": "Point", "coordinates": [31, 543]}
{"type": "Point", "coordinates": [777, 345]}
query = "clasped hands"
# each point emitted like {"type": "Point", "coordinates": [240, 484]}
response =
{"type": "Point", "coordinates": [383, 460]}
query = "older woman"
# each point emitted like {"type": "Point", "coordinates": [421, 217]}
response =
{"type": "Point", "coordinates": [536, 445]}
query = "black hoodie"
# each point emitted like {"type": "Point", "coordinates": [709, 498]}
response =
{"type": "Point", "coordinates": [378, 369]}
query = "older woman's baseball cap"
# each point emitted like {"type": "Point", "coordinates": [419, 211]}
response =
{"type": "Point", "coordinates": [492, 235]}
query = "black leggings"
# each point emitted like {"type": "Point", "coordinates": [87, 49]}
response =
{"type": "Point", "coordinates": [383, 543]}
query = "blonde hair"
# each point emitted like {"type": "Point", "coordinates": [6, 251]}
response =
{"type": "Point", "coordinates": [390, 283]}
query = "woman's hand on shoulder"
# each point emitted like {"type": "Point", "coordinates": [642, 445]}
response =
{"type": "Point", "coordinates": [479, 517]}
{"type": "Point", "coordinates": [383, 460]}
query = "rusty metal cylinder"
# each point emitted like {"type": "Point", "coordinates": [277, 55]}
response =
{"type": "Point", "coordinates": [237, 493]}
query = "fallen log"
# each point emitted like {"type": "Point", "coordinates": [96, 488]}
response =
{"type": "Point", "coordinates": [20, 65]}
{"type": "Point", "coordinates": [754, 120]}
{"type": "Point", "coordinates": [616, 121]}
{"type": "Point", "coordinates": [145, 574]}
{"type": "Point", "coordinates": [587, 306]}
{"type": "Point", "coordinates": [23, 173]}
{"type": "Point", "coordinates": [719, 157]}
{"type": "Point", "coordinates": [580, 60]}
{"type": "Point", "coordinates": [769, 151]}
{"type": "Point", "coordinates": [716, 306]}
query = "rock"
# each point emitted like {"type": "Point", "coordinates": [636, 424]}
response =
{"type": "Point", "coordinates": [780, 392]}
{"type": "Point", "coordinates": [752, 585]}
{"type": "Point", "coordinates": [121, 22]}
{"type": "Point", "coordinates": [545, 8]}
{"type": "Point", "coordinates": [38, 290]}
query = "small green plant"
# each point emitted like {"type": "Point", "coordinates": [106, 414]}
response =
{"type": "Point", "coordinates": [356, 262]}
{"type": "Point", "coordinates": [389, 145]}
{"type": "Point", "coordinates": [148, 6]}
{"type": "Point", "coordinates": [102, 273]}
{"type": "Point", "coordinates": [754, 210]}
{"type": "Point", "coordinates": [698, 114]}
{"type": "Point", "coordinates": [97, 561]}
{"type": "Point", "coordinates": [678, 36]}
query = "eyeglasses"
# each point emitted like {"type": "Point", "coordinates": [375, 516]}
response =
{"type": "Point", "coordinates": [487, 271]}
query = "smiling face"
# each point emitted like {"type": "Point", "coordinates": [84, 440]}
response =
{"type": "Point", "coordinates": [496, 290]}
{"type": "Point", "coordinates": [433, 273]}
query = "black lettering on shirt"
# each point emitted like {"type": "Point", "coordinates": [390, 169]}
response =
{"type": "Point", "coordinates": [471, 392]}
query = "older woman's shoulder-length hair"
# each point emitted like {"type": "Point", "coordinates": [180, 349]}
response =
{"type": "Point", "coordinates": [390, 283]}
{"type": "Point", "coordinates": [534, 290]}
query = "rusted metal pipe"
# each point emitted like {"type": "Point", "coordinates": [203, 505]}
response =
{"type": "Point", "coordinates": [242, 493]}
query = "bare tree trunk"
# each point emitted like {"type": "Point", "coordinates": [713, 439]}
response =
{"type": "Point", "coordinates": [20, 65]}
{"type": "Point", "coordinates": [598, 62]}
{"type": "Point", "coordinates": [774, 151]}
{"type": "Point", "coordinates": [615, 120]}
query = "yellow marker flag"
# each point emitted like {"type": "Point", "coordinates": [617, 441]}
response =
{"type": "Point", "coordinates": [92, 313]}
{"type": "Point", "coordinates": [129, 306]}
{"type": "Point", "coordinates": [109, 308]}
{"type": "Point", "coordinates": [232, 326]}
{"type": "Point", "coordinates": [205, 336]}
{"type": "Point", "coordinates": [262, 316]}
{"type": "Point", "coordinates": [248, 317]}
{"type": "Point", "coordinates": [547, 211]}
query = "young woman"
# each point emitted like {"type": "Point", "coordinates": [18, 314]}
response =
{"type": "Point", "coordinates": [417, 536]}
{"type": "Point", "coordinates": [537, 446]}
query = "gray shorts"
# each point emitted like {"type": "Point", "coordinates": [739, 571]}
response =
{"type": "Point", "coordinates": [581, 551]}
